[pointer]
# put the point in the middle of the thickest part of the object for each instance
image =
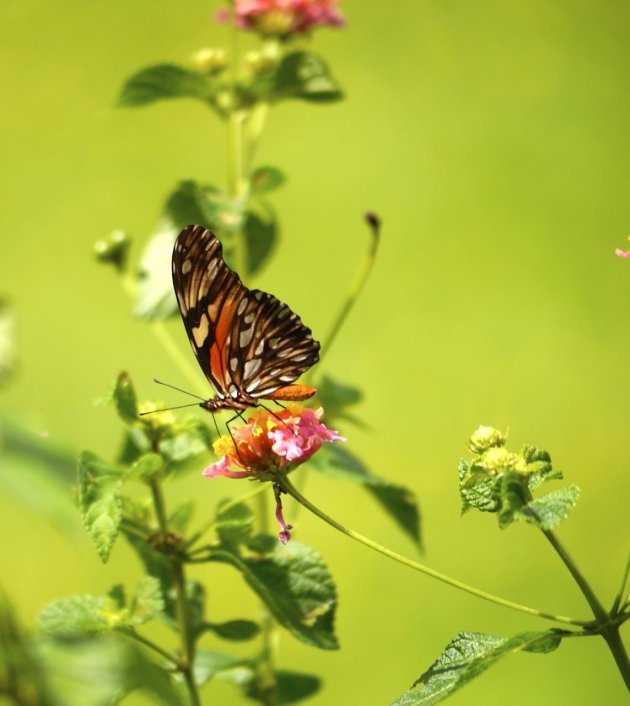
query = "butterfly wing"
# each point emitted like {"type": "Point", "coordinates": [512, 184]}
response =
{"type": "Point", "coordinates": [247, 342]}
{"type": "Point", "coordinates": [270, 347]}
{"type": "Point", "coordinates": [208, 294]}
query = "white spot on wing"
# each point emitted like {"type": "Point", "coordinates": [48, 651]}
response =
{"type": "Point", "coordinates": [251, 387]}
{"type": "Point", "coordinates": [186, 266]}
{"type": "Point", "coordinates": [241, 308]}
{"type": "Point", "coordinates": [200, 333]}
{"type": "Point", "coordinates": [251, 367]}
{"type": "Point", "coordinates": [259, 348]}
{"type": "Point", "coordinates": [245, 337]}
{"type": "Point", "coordinates": [249, 318]}
{"type": "Point", "coordinates": [233, 364]}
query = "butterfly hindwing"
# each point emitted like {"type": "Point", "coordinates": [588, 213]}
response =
{"type": "Point", "coordinates": [248, 343]}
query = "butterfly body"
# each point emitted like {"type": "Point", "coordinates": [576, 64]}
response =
{"type": "Point", "coordinates": [250, 345]}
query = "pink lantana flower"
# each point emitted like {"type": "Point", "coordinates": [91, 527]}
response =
{"type": "Point", "coordinates": [622, 253]}
{"type": "Point", "coordinates": [284, 17]}
{"type": "Point", "coordinates": [271, 444]}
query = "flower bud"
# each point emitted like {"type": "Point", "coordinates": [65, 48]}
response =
{"type": "Point", "coordinates": [486, 438]}
{"type": "Point", "coordinates": [209, 60]}
{"type": "Point", "coordinates": [495, 460]}
{"type": "Point", "coordinates": [114, 250]}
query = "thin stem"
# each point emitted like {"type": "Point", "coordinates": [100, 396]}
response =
{"type": "Point", "coordinates": [357, 285]}
{"type": "Point", "coordinates": [186, 661]}
{"type": "Point", "coordinates": [151, 645]}
{"type": "Point", "coordinates": [620, 595]}
{"type": "Point", "coordinates": [291, 490]}
{"type": "Point", "coordinates": [606, 628]}
{"type": "Point", "coordinates": [598, 609]}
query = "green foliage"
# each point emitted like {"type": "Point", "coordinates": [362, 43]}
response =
{"type": "Point", "coordinates": [337, 398]}
{"type": "Point", "coordinates": [36, 472]}
{"type": "Point", "coordinates": [266, 179]}
{"type": "Point", "coordinates": [165, 82]}
{"type": "Point", "coordinates": [210, 663]}
{"type": "Point", "coordinates": [235, 523]}
{"type": "Point", "coordinates": [295, 585]}
{"type": "Point", "coordinates": [99, 501]}
{"type": "Point", "coordinates": [500, 481]}
{"type": "Point", "coordinates": [235, 630]}
{"type": "Point", "coordinates": [124, 397]}
{"type": "Point", "coordinates": [285, 687]}
{"type": "Point", "coordinates": [79, 615]}
{"type": "Point", "coordinates": [397, 501]}
{"type": "Point", "coordinates": [261, 234]}
{"type": "Point", "coordinates": [302, 75]}
{"type": "Point", "coordinates": [467, 656]}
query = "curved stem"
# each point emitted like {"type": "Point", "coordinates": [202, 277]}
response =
{"type": "Point", "coordinates": [357, 285]}
{"type": "Point", "coordinates": [288, 487]}
{"type": "Point", "coordinates": [151, 645]}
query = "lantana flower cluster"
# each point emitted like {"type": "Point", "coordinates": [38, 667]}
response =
{"type": "Point", "coordinates": [270, 444]}
{"type": "Point", "coordinates": [284, 17]}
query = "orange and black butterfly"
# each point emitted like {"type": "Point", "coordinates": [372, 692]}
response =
{"type": "Point", "coordinates": [249, 344]}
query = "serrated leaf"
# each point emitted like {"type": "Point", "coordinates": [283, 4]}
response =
{"type": "Point", "coordinates": [155, 299]}
{"type": "Point", "coordinates": [157, 565]}
{"type": "Point", "coordinates": [545, 512]}
{"type": "Point", "coordinates": [124, 397]}
{"type": "Point", "coordinates": [209, 663]}
{"type": "Point", "coordinates": [8, 356]}
{"type": "Point", "coordinates": [261, 234]}
{"type": "Point", "coordinates": [148, 602]}
{"type": "Point", "coordinates": [37, 472]}
{"type": "Point", "coordinates": [236, 630]}
{"type": "Point", "coordinates": [477, 489]}
{"type": "Point", "coordinates": [77, 616]}
{"type": "Point", "coordinates": [467, 656]}
{"type": "Point", "coordinates": [304, 76]}
{"type": "Point", "coordinates": [186, 439]}
{"type": "Point", "coordinates": [235, 523]}
{"type": "Point", "coordinates": [266, 179]}
{"type": "Point", "coordinates": [99, 501]}
{"type": "Point", "coordinates": [296, 586]}
{"type": "Point", "coordinates": [397, 501]}
{"type": "Point", "coordinates": [166, 81]}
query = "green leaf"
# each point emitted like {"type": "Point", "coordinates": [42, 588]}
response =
{"type": "Point", "coordinates": [8, 354]}
{"type": "Point", "coordinates": [261, 234]}
{"type": "Point", "coordinates": [235, 523]}
{"type": "Point", "coordinates": [336, 398]}
{"type": "Point", "coordinates": [209, 663]}
{"type": "Point", "coordinates": [37, 472]}
{"type": "Point", "coordinates": [166, 81]}
{"type": "Point", "coordinates": [236, 630]}
{"type": "Point", "coordinates": [296, 586]}
{"type": "Point", "coordinates": [124, 397]}
{"type": "Point", "coordinates": [147, 465]}
{"type": "Point", "coordinates": [186, 439]}
{"type": "Point", "coordinates": [157, 565]}
{"type": "Point", "coordinates": [99, 501]}
{"type": "Point", "coordinates": [289, 687]}
{"type": "Point", "coordinates": [397, 501]}
{"type": "Point", "coordinates": [196, 606]}
{"type": "Point", "coordinates": [304, 76]}
{"type": "Point", "coordinates": [187, 205]}
{"type": "Point", "coordinates": [477, 489]}
{"type": "Point", "coordinates": [101, 671]}
{"type": "Point", "coordinates": [266, 179]}
{"type": "Point", "coordinates": [467, 656]}
{"type": "Point", "coordinates": [148, 602]}
{"type": "Point", "coordinates": [545, 512]}
{"type": "Point", "coordinates": [77, 616]}
{"type": "Point", "coordinates": [155, 299]}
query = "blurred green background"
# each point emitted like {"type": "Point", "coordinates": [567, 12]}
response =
{"type": "Point", "coordinates": [492, 138]}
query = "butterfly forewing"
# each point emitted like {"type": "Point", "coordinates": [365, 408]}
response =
{"type": "Point", "coordinates": [248, 343]}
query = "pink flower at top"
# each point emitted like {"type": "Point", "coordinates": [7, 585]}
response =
{"type": "Point", "coordinates": [269, 444]}
{"type": "Point", "coordinates": [284, 17]}
{"type": "Point", "coordinates": [622, 253]}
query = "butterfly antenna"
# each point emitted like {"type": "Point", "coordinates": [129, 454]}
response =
{"type": "Point", "coordinates": [168, 409]}
{"type": "Point", "coordinates": [179, 389]}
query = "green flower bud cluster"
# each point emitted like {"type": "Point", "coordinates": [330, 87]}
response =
{"type": "Point", "coordinates": [114, 250]}
{"type": "Point", "coordinates": [483, 477]}
{"type": "Point", "coordinates": [210, 60]}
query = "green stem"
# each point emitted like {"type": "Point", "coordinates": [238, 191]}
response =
{"type": "Point", "coordinates": [357, 285]}
{"type": "Point", "coordinates": [620, 595]}
{"type": "Point", "coordinates": [186, 661]}
{"type": "Point", "coordinates": [151, 645]}
{"type": "Point", "coordinates": [598, 609]}
{"type": "Point", "coordinates": [288, 487]}
{"type": "Point", "coordinates": [609, 630]}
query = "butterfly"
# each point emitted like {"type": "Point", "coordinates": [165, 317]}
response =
{"type": "Point", "coordinates": [249, 344]}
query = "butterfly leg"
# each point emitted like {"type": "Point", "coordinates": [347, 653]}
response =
{"type": "Point", "coordinates": [275, 416]}
{"type": "Point", "coordinates": [238, 415]}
